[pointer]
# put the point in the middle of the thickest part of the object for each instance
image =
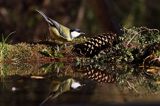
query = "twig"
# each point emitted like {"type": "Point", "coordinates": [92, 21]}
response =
{"type": "Point", "coordinates": [131, 39]}
{"type": "Point", "coordinates": [132, 87]}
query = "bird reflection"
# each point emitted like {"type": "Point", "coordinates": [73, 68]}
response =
{"type": "Point", "coordinates": [60, 87]}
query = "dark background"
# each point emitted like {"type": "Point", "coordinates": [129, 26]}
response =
{"type": "Point", "coordinates": [91, 16]}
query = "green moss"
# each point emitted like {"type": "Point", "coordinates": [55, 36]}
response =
{"type": "Point", "coordinates": [132, 45]}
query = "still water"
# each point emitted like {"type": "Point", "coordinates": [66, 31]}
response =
{"type": "Point", "coordinates": [68, 84]}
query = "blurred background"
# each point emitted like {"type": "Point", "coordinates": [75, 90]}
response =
{"type": "Point", "coordinates": [91, 16]}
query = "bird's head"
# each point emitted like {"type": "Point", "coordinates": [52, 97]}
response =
{"type": "Point", "coordinates": [75, 33]}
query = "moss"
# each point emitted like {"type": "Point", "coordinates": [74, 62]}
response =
{"type": "Point", "coordinates": [131, 47]}
{"type": "Point", "coordinates": [22, 52]}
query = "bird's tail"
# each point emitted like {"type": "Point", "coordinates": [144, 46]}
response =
{"type": "Point", "coordinates": [49, 20]}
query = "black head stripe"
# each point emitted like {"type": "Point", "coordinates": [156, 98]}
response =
{"type": "Point", "coordinates": [77, 30]}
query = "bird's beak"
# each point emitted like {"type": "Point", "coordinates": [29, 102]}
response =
{"type": "Point", "coordinates": [82, 33]}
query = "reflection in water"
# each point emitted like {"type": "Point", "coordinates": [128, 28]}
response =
{"type": "Point", "coordinates": [88, 72]}
{"type": "Point", "coordinates": [63, 83]}
{"type": "Point", "coordinates": [62, 87]}
{"type": "Point", "coordinates": [97, 74]}
{"type": "Point", "coordinates": [22, 91]}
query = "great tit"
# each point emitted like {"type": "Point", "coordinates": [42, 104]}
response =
{"type": "Point", "coordinates": [59, 32]}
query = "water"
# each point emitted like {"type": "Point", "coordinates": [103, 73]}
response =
{"type": "Point", "coordinates": [70, 84]}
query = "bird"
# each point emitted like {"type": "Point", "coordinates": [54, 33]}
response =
{"type": "Point", "coordinates": [59, 32]}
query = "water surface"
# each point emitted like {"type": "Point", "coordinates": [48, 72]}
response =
{"type": "Point", "coordinates": [109, 84]}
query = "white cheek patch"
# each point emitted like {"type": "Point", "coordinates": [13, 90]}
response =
{"type": "Point", "coordinates": [75, 34]}
{"type": "Point", "coordinates": [75, 85]}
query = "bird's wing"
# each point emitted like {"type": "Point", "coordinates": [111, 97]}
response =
{"type": "Point", "coordinates": [63, 31]}
{"type": "Point", "coordinates": [55, 24]}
